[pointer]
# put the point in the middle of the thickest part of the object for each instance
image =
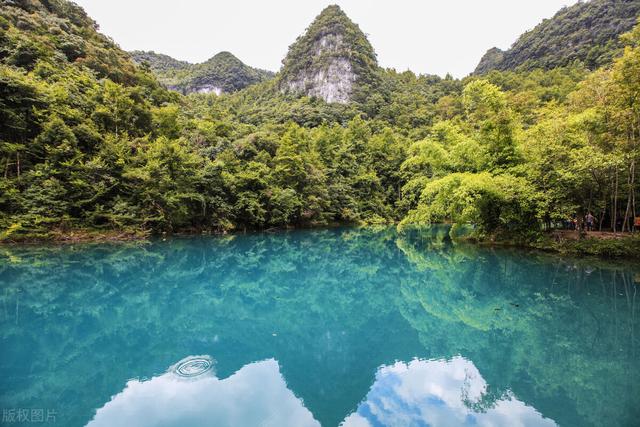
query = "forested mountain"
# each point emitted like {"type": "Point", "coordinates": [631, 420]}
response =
{"type": "Point", "coordinates": [158, 62]}
{"type": "Point", "coordinates": [91, 141]}
{"type": "Point", "coordinates": [224, 73]}
{"type": "Point", "coordinates": [61, 33]}
{"type": "Point", "coordinates": [588, 32]}
{"type": "Point", "coordinates": [68, 98]}
{"type": "Point", "coordinates": [333, 60]}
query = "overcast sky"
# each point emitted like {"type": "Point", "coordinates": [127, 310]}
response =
{"type": "Point", "coordinates": [425, 36]}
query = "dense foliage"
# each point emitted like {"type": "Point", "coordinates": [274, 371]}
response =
{"type": "Point", "coordinates": [223, 72]}
{"type": "Point", "coordinates": [587, 32]}
{"type": "Point", "coordinates": [89, 140]}
{"type": "Point", "coordinates": [158, 63]}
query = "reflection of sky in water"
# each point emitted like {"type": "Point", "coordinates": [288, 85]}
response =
{"type": "Point", "coordinates": [437, 393]}
{"type": "Point", "coordinates": [418, 393]}
{"type": "Point", "coordinates": [256, 395]}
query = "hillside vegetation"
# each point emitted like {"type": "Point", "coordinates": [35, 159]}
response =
{"type": "Point", "coordinates": [587, 32]}
{"type": "Point", "coordinates": [92, 141]}
{"type": "Point", "coordinates": [158, 62]}
{"type": "Point", "coordinates": [224, 73]}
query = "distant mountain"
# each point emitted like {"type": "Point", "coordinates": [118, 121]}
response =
{"type": "Point", "coordinates": [586, 32]}
{"type": "Point", "coordinates": [333, 60]}
{"type": "Point", "coordinates": [224, 73]}
{"type": "Point", "coordinates": [158, 62]}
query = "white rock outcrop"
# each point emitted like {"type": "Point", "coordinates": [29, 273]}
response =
{"type": "Point", "coordinates": [333, 81]}
{"type": "Point", "coordinates": [209, 89]}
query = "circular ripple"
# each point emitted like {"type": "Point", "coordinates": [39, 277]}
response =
{"type": "Point", "coordinates": [193, 366]}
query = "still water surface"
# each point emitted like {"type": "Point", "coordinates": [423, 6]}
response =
{"type": "Point", "coordinates": [353, 327]}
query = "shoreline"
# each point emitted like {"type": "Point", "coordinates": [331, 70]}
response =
{"type": "Point", "coordinates": [622, 246]}
{"type": "Point", "coordinates": [88, 235]}
{"type": "Point", "coordinates": [79, 236]}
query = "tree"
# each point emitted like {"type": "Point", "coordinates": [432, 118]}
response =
{"type": "Point", "coordinates": [494, 204]}
{"type": "Point", "coordinates": [492, 121]}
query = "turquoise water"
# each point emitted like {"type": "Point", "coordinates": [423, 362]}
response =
{"type": "Point", "coordinates": [358, 327]}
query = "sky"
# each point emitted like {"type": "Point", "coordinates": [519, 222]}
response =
{"type": "Point", "coordinates": [424, 36]}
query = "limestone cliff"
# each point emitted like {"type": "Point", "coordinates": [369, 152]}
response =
{"type": "Point", "coordinates": [333, 60]}
{"type": "Point", "coordinates": [490, 61]}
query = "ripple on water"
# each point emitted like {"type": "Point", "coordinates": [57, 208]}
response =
{"type": "Point", "coordinates": [192, 366]}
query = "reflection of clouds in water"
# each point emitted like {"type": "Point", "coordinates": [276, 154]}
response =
{"type": "Point", "coordinates": [256, 395]}
{"type": "Point", "coordinates": [433, 393]}
{"type": "Point", "coordinates": [418, 393]}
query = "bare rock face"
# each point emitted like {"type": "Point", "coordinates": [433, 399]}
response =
{"type": "Point", "coordinates": [330, 60]}
{"type": "Point", "coordinates": [332, 82]}
{"type": "Point", "coordinates": [209, 89]}
{"type": "Point", "coordinates": [490, 61]}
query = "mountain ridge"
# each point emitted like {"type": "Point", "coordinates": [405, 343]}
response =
{"type": "Point", "coordinates": [222, 73]}
{"type": "Point", "coordinates": [587, 32]}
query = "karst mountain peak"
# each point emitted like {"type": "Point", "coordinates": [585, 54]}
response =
{"type": "Point", "coordinates": [332, 60]}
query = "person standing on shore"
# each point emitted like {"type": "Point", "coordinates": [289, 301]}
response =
{"type": "Point", "coordinates": [589, 220]}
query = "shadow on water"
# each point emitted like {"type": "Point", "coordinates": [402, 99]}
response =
{"type": "Point", "coordinates": [353, 326]}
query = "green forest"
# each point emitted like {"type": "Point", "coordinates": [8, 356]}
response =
{"type": "Point", "coordinates": [587, 31]}
{"type": "Point", "coordinates": [91, 141]}
{"type": "Point", "coordinates": [223, 71]}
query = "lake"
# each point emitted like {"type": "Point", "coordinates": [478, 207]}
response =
{"type": "Point", "coordinates": [344, 326]}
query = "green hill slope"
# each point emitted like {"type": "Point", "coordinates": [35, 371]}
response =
{"type": "Point", "coordinates": [158, 62]}
{"type": "Point", "coordinates": [59, 32]}
{"type": "Point", "coordinates": [224, 73]}
{"type": "Point", "coordinates": [586, 32]}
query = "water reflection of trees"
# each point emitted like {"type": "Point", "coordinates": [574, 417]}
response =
{"type": "Point", "coordinates": [548, 328]}
{"type": "Point", "coordinates": [331, 306]}
{"type": "Point", "coordinates": [142, 307]}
